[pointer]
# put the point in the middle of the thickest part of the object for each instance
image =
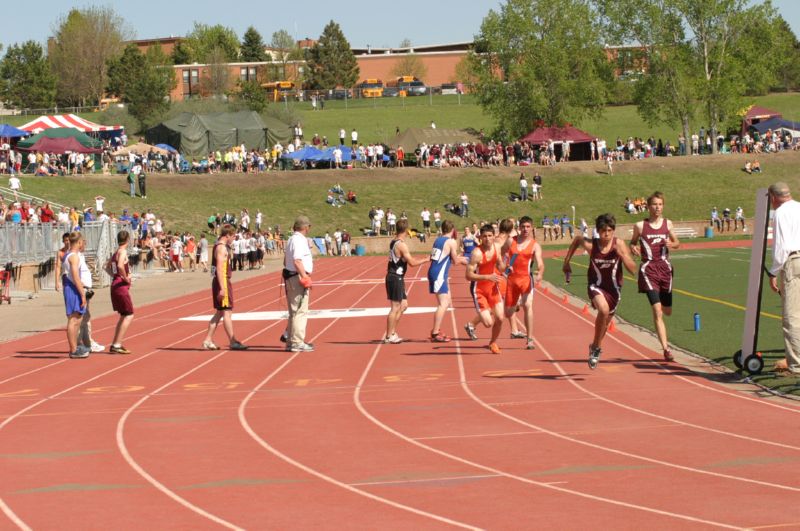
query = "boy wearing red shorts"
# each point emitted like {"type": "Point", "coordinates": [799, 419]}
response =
{"type": "Point", "coordinates": [522, 251]}
{"type": "Point", "coordinates": [482, 269]}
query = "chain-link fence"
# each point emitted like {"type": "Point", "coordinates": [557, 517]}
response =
{"type": "Point", "coordinates": [376, 96]}
{"type": "Point", "coordinates": [38, 243]}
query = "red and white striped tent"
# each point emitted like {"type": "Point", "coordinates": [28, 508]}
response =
{"type": "Point", "coordinates": [67, 120]}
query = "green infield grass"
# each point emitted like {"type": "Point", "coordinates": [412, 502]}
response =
{"type": "Point", "coordinates": [712, 283]}
{"type": "Point", "coordinates": [692, 186]}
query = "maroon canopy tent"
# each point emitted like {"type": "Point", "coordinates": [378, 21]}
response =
{"type": "Point", "coordinates": [60, 145]}
{"type": "Point", "coordinates": [579, 141]}
{"type": "Point", "coordinates": [756, 115]}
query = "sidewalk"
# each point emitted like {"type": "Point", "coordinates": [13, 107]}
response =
{"type": "Point", "coordinates": [45, 311]}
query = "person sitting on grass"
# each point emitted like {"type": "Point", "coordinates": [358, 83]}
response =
{"type": "Point", "coordinates": [351, 197]}
{"type": "Point", "coordinates": [748, 167]}
{"type": "Point", "coordinates": [756, 167]}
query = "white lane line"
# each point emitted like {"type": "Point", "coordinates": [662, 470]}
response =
{"type": "Point", "coordinates": [333, 313]}
{"type": "Point", "coordinates": [649, 359]}
{"type": "Point", "coordinates": [120, 435]}
{"type": "Point", "coordinates": [316, 473]}
{"type": "Point", "coordinates": [7, 509]}
{"type": "Point", "coordinates": [506, 434]}
{"type": "Point", "coordinates": [492, 470]}
{"type": "Point", "coordinates": [425, 480]}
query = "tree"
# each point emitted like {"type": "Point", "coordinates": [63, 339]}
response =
{"type": "Point", "coordinates": [252, 95]}
{"type": "Point", "coordinates": [704, 56]}
{"type": "Point", "coordinates": [204, 40]}
{"type": "Point", "coordinates": [464, 72]}
{"type": "Point", "coordinates": [217, 81]}
{"type": "Point", "coordinates": [540, 61]}
{"type": "Point", "coordinates": [787, 54]}
{"type": "Point", "coordinates": [143, 81]}
{"type": "Point", "coordinates": [122, 71]}
{"type": "Point", "coordinates": [84, 40]}
{"type": "Point", "coordinates": [181, 53]}
{"type": "Point", "coordinates": [410, 65]}
{"type": "Point", "coordinates": [331, 62]}
{"type": "Point", "coordinates": [405, 43]}
{"type": "Point", "coordinates": [25, 77]}
{"type": "Point", "coordinates": [252, 49]}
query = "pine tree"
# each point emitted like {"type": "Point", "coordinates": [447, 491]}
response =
{"type": "Point", "coordinates": [25, 77]}
{"type": "Point", "coordinates": [331, 62]}
{"type": "Point", "coordinates": [252, 49]}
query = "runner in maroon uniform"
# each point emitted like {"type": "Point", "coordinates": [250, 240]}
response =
{"type": "Point", "coordinates": [607, 254]}
{"type": "Point", "coordinates": [655, 238]}
{"type": "Point", "coordinates": [120, 292]}
{"type": "Point", "coordinates": [222, 291]}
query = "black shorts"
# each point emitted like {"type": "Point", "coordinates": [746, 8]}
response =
{"type": "Point", "coordinates": [426, 224]}
{"type": "Point", "coordinates": [395, 288]}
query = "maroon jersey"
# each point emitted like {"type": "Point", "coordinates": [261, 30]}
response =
{"type": "Point", "coordinates": [653, 242]}
{"type": "Point", "coordinates": [655, 272]}
{"type": "Point", "coordinates": [605, 274]}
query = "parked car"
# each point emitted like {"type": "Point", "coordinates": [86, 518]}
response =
{"type": "Point", "coordinates": [391, 92]}
{"type": "Point", "coordinates": [450, 89]}
{"type": "Point", "coordinates": [340, 94]}
{"type": "Point", "coordinates": [413, 88]}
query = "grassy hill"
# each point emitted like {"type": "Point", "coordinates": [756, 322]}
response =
{"type": "Point", "coordinates": [692, 186]}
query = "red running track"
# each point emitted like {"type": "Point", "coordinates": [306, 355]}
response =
{"type": "Point", "coordinates": [362, 435]}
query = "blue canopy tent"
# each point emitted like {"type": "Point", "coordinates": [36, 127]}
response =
{"type": "Point", "coordinates": [307, 153]}
{"type": "Point", "coordinates": [327, 155]}
{"type": "Point", "coordinates": [167, 147]}
{"type": "Point", "coordinates": [9, 131]}
{"type": "Point", "coordinates": [777, 124]}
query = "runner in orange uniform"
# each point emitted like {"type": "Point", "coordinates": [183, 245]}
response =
{"type": "Point", "coordinates": [482, 273]}
{"type": "Point", "coordinates": [522, 250]}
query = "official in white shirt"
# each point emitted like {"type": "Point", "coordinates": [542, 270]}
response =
{"type": "Point", "coordinates": [786, 263]}
{"type": "Point", "coordinates": [297, 268]}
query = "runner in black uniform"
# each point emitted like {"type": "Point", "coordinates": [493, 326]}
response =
{"type": "Point", "coordinates": [400, 260]}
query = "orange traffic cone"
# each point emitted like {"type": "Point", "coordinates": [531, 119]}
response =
{"type": "Point", "coordinates": [612, 327]}
{"type": "Point", "coordinates": [565, 300]}
{"type": "Point", "coordinates": [585, 310]}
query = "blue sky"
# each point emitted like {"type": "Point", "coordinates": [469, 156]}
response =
{"type": "Point", "coordinates": [378, 24]}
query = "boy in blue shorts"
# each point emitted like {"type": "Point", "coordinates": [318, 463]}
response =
{"type": "Point", "coordinates": [443, 254]}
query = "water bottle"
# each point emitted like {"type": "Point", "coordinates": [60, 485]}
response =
{"type": "Point", "coordinates": [696, 322]}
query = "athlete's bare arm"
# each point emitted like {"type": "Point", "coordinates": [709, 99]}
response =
{"type": "Point", "coordinates": [578, 241]}
{"type": "Point", "coordinates": [537, 255]}
{"type": "Point", "coordinates": [637, 233]}
{"type": "Point", "coordinates": [674, 242]}
{"type": "Point", "coordinates": [452, 247]}
{"type": "Point", "coordinates": [405, 254]}
{"type": "Point", "coordinates": [221, 255]}
{"type": "Point", "coordinates": [625, 256]}
{"type": "Point", "coordinates": [472, 266]}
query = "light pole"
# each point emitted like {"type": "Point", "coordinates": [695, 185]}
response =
{"type": "Point", "coordinates": [574, 219]}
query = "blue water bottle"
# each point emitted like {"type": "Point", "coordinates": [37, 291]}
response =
{"type": "Point", "coordinates": [696, 322]}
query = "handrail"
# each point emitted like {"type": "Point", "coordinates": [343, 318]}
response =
{"type": "Point", "coordinates": [8, 192]}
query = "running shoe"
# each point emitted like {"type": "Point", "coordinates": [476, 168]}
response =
{"type": "Point", "coordinates": [440, 338]}
{"type": "Point", "coordinates": [518, 335]}
{"type": "Point", "coordinates": [80, 353]}
{"type": "Point", "coordinates": [237, 345]}
{"type": "Point", "coordinates": [97, 347]}
{"type": "Point", "coordinates": [208, 345]}
{"type": "Point", "coordinates": [594, 356]}
{"type": "Point", "coordinates": [494, 348]}
{"type": "Point", "coordinates": [668, 355]}
{"type": "Point", "coordinates": [393, 339]}
{"type": "Point", "coordinates": [471, 331]}
{"type": "Point", "coordinates": [118, 350]}
{"type": "Point", "coordinates": [529, 344]}
{"type": "Point", "coordinates": [284, 338]}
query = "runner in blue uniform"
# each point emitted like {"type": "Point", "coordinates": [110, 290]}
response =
{"type": "Point", "coordinates": [468, 243]}
{"type": "Point", "coordinates": [443, 254]}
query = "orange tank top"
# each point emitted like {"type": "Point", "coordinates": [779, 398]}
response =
{"type": "Point", "coordinates": [487, 267]}
{"type": "Point", "coordinates": [520, 259]}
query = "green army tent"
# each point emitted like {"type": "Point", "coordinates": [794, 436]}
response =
{"type": "Point", "coordinates": [195, 135]}
{"type": "Point", "coordinates": [61, 132]}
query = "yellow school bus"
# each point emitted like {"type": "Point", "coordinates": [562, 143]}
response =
{"type": "Point", "coordinates": [371, 88]}
{"type": "Point", "coordinates": [278, 90]}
